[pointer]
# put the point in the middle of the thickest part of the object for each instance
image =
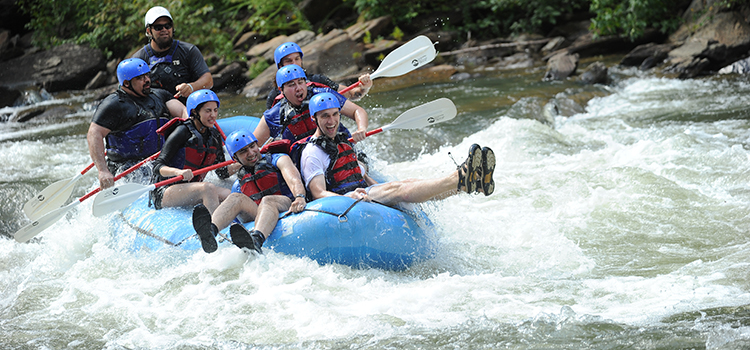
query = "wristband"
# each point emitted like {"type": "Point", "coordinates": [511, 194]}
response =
{"type": "Point", "coordinates": [302, 195]}
{"type": "Point", "coordinates": [191, 88]}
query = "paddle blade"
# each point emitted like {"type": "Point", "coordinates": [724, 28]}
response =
{"type": "Point", "coordinates": [118, 197]}
{"type": "Point", "coordinates": [430, 113]}
{"type": "Point", "coordinates": [50, 198]}
{"type": "Point", "coordinates": [36, 227]}
{"type": "Point", "coordinates": [410, 56]}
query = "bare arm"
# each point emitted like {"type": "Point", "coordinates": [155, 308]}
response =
{"type": "Point", "coordinates": [294, 180]}
{"type": "Point", "coordinates": [95, 139]}
{"type": "Point", "coordinates": [262, 133]}
{"type": "Point", "coordinates": [206, 81]}
{"type": "Point", "coordinates": [359, 115]}
{"type": "Point", "coordinates": [177, 109]}
{"type": "Point", "coordinates": [356, 93]}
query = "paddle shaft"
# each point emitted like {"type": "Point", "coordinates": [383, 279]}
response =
{"type": "Point", "coordinates": [37, 226]}
{"type": "Point", "coordinates": [121, 175]}
{"type": "Point", "coordinates": [196, 172]}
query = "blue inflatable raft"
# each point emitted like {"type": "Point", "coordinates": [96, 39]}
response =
{"type": "Point", "coordinates": [330, 230]}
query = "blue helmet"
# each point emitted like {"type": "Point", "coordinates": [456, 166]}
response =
{"type": "Point", "coordinates": [131, 68]}
{"type": "Point", "coordinates": [323, 101]}
{"type": "Point", "coordinates": [285, 49]}
{"type": "Point", "coordinates": [288, 73]}
{"type": "Point", "coordinates": [238, 140]}
{"type": "Point", "coordinates": [201, 96]}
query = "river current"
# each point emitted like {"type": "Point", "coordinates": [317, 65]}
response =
{"type": "Point", "coordinates": [620, 222]}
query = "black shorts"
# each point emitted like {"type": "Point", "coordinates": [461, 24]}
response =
{"type": "Point", "coordinates": [155, 197]}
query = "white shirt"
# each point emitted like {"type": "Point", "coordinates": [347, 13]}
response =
{"type": "Point", "coordinates": [314, 161]}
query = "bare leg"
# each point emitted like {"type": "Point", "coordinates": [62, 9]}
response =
{"type": "Point", "coordinates": [194, 193]}
{"type": "Point", "coordinates": [235, 204]}
{"type": "Point", "coordinates": [414, 190]}
{"type": "Point", "coordinates": [268, 212]}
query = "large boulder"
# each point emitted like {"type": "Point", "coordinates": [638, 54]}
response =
{"type": "Point", "coordinates": [724, 39]}
{"type": "Point", "coordinates": [65, 67]}
{"type": "Point", "coordinates": [561, 66]}
{"type": "Point", "coordinates": [332, 54]}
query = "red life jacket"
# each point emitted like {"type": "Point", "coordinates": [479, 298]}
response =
{"type": "Point", "coordinates": [263, 181]}
{"type": "Point", "coordinates": [200, 154]}
{"type": "Point", "coordinates": [343, 174]}
{"type": "Point", "coordinates": [296, 125]}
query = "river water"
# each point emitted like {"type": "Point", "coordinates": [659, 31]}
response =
{"type": "Point", "coordinates": [620, 223]}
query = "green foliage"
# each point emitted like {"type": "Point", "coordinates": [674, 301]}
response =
{"type": "Point", "coordinates": [630, 18]}
{"type": "Point", "coordinates": [397, 33]}
{"type": "Point", "coordinates": [483, 18]}
{"type": "Point", "coordinates": [269, 17]}
{"type": "Point", "coordinates": [117, 27]}
{"type": "Point", "coordinates": [256, 68]}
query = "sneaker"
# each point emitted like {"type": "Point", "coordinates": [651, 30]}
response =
{"type": "Point", "coordinates": [488, 170]}
{"type": "Point", "coordinates": [206, 230]}
{"type": "Point", "coordinates": [243, 239]}
{"type": "Point", "coordinates": [470, 171]}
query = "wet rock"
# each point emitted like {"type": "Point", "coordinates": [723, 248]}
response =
{"type": "Point", "coordinates": [651, 51]}
{"type": "Point", "coordinates": [262, 84]}
{"type": "Point", "coordinates": [724, 39]}
{"type": "Point", "coordinates": [232, 75]}
{"type": "Point", "coordinates": [739, 67]}
{"type": "Point", "coordinates": [516, 61]}
{"type": "Point", "coordinates": [420, 76]}
{"type": "Point", "coordinates": [331, 54]}
{"type": "Point", "coordinates": [267, 48]}
{"type": "Point", "coordinates": [43, 114]}
{"type": "Point", "coordinates": [378, 27]}
{"type": "Point", "coordinates": [595, 73]}
{"type": "Point", "coordinates": [248, 40]}
{"type": "Point", "coordinates": [374, 53]}
{"type": "Point", "coordinates": [98, 81]}
{"type": "Point", "coordinates": [66, 67]}
{"type": "Point", "coordinates": [554, 44]}
{"type": "Point", "coordinates": [8, 97]}
{"type": "Point", "coordinates": [561, 66]}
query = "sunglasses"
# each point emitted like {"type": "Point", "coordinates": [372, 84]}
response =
{"type": "Point", "coordinates": [159, 27]}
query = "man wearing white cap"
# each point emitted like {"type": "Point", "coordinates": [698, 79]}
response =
{"type": "Point", "coordinates": [176, 66]}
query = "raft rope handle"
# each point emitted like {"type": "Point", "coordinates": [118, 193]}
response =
{"type": "Point", "coordinates": [339, 216]}
{"type": "Point", "coordinates": [147, 233]}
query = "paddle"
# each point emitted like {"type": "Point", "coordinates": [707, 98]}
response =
{"type": "Point", "coordinates": [37, 226]}
{"type": "Point", "coordinates": [52, 197]}
{"type": "Point", "coordinates": [410, 56]}
{"type": "Point", "coordinates": [120, 197]}
{"type": "Point", "coordinates": [430, 113]}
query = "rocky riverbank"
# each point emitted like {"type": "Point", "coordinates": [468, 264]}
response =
{"type": "Point", "coordinates": [710, 41]}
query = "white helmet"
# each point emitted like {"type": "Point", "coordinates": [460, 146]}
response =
{"type": "Point", "coordinates": [154, 13]}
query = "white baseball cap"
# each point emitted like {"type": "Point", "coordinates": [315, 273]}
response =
{"type": "Point", "coordinates": [154, 13]}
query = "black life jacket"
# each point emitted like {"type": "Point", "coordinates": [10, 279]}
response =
{"type": "Point", "coordinates": [140, 140]}
{"type": "Point", "coordinates": [198, 154]}
{"type": "Point", "coordinates": [166, 73]}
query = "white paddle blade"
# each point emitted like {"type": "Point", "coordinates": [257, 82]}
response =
{"type": "Point", "coordinates": [430, 113]}
{"type": "Point", "coordinates": [37, 226]}
{"type": "Point", "coordinates": [118, 197]}
{"type": "Point", "coordinates": [51, 198]}
{"type": "Point", "coordinates": [410, 56]}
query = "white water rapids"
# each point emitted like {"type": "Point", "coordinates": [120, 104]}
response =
{"type": "Point", "coordinates": [624, 225]}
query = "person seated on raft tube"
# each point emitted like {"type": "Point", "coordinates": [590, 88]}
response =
{"type": "Point", "coordinates": [127, 119]}
{"type": "Point", "coordinates": [290, 53]}
{"type": "Point", "coordinates": [329, 167]}
{"type": "Point", "coordinates": [191, 144]}
{"type": "Point", "coordinates": [176, 66]}
{"type": "Point", "coordinates": [267, 184]}
{"type": "Point", "coordinates": [290, 118]}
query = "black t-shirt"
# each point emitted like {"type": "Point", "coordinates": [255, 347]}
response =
{"type": "Point", "coordinates": [120, 111]}
{"type": "Point", "coordinates": [186, 67]}
{"type": "Point", "coordinates": [318, 78]}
